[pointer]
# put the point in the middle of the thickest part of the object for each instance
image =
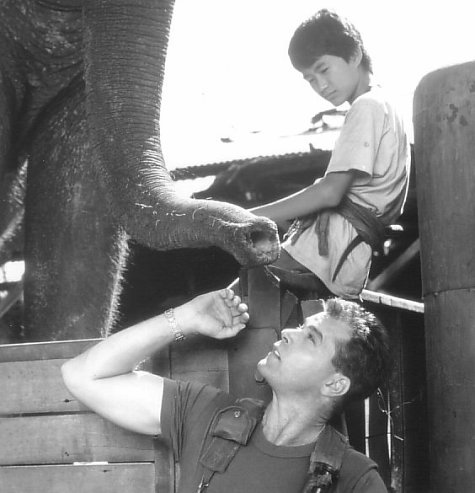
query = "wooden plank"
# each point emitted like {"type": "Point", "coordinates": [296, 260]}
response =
{"type": "Point", "coordinates": [396, 405]}
{"type": "Point", "coordinates": [107, 478]}
{"type": "Point", "coordinates": [245, 351]}
{"type": "Point", "coordinates": [409, 440]}
{"type": "Point", "coordinates": [44, 350]}
{"type": "Point", "coordinates": [201, 360]}
{"type": "Point", "coordinates": [392, 301]}
{"type": "Point", "coordinates": [416, 422]}
{"type": "Point", "coordinates": [42, 388]}
{"type": "Point", "coordinates": [164, 461]}
{"type": "Point", "coordinates": [393, 269]}
{"type": "Point", "coordinates": [69, 438]}
{"type": "Point", "coordinates": [165, 473]}
{"type": "Point", "coordinates": [355, 423]}
{"type": "Point", "coordinates": [199, 353]}
{"type": "Point", "coordinates": [13, 295]}
{"type": "Point", "coordinates": [377, 440]}
{"type": "Point", "coordinates": [263, 292]}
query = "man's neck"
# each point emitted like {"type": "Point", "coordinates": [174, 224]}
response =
{"type": "Point", "coordinates": [293, 424]}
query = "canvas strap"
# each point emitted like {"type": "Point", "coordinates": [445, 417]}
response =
{"type": "Point", "coordinates": [230, 428]}
{"type": "Point", "coordinates": [369, 227]}
{"type": "Point", "coordinates": [233, 426]}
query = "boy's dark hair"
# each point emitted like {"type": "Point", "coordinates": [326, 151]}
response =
{"type": "Point", "coordinates": [326, 33]}
{"type": "Point", "coordinates": [365, 359]}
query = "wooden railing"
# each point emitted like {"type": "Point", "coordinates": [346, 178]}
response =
{"type": "Point", "coordinates": [392, 427]}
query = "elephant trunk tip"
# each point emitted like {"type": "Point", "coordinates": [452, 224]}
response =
{"type": "Point", "coordinates": [263, 244]}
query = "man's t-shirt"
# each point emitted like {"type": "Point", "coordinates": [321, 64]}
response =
{"type": "Point", "coordinates": [373, 142]}
{"type": "Point", "coordinates": [258, 467]}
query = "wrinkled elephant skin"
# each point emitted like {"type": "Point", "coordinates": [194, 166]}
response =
{"type": "Point", "coordinates": [80, 93]}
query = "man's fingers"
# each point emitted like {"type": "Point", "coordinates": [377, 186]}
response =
{"type": "Point", "coordinates": [242, 307]}
{"type": "Point", "coordinates": [226, 293]}
{"type": "Point", "coordinates": [236, 315]}
{"type": "Point", "coordinates": [242, 317]}
{"type": "Point", "coordinates": [232, 300]}
{"type": "Point", "coordinates": [228, 332]}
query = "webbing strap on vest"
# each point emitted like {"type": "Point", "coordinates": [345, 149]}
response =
{"type": "Point", "coordinates": [325, 461]}
{"type": "Point", "coordinates": [230, 428]}
{"type": "Point", "coordinates": [369, 227]}
{"type": "Point", "coordinates": [233, 426]}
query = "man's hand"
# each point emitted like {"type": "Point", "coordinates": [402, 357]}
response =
{"type": "Point", "coordinates": [219, 314]}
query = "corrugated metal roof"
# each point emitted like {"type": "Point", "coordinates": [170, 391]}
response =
{"type": "Point", "coordinates": [281, 149]}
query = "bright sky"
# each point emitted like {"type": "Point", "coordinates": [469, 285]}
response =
{"type": "Point", "coordinates": [228, 73]}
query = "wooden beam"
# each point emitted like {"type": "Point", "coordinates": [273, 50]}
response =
{"type": "Point", "coordinates": [60, 439]}
{"type": "Point", "coordinates": [13, 295]}
{"type": "Point", "coordinates": [42, 388]}
{"type": "Point", "coordinates": [387, 274]}
{"type": "Point", "coordinates": [33, 351]}
{"type": "Point", "coordinates": [84, 478]}
{"type": "Point", "coordinates": [392, 301]}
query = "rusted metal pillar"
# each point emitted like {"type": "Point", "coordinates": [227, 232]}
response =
{"type": "Point", "coordinates": [444, 121]}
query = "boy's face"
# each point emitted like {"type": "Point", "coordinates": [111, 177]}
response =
{"type": "Point", "coordinates": [335, 79]}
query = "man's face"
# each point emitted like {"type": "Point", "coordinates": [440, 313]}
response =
{"type": "Point", "coordinates": [302, 359]}
{"type": "Point", "coordinates": [334, 79]}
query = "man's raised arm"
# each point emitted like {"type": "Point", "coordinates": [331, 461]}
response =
{"type": "Point", "coordinates": [104, 377]}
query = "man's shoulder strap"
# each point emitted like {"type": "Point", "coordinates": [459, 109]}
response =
{"type": "Point", "coordinates": [326, 461]}
{"type": "Point", "coordinates": [233, 426]}
{"type": "Point", "coordinates": [230, 428]}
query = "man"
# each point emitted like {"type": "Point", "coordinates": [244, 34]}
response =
{"type": "Point", "coordinates": [336, 355]}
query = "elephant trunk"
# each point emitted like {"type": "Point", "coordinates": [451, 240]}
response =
{"type": "Point", "coordinates": [126, 46]}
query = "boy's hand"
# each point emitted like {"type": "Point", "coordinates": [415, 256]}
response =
{"type": "Point", "coordinates": [219, 314]}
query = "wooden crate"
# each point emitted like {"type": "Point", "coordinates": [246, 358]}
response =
{"type": "Point", "coordinates": [50, 442]}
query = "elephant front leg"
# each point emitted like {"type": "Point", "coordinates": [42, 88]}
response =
{"type": "Point", "coordinates": [74, 251]}
{"type": "Point", "coordinates": [12, 196]}
{"type": "Point", "coordinates": [12, 174]}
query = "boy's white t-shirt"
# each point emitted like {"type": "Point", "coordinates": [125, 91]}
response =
{"type": "Point", "coordinates": [374, 142]}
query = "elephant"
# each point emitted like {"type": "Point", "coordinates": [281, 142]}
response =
{"type": "Point", "coordinates": [81, 166]}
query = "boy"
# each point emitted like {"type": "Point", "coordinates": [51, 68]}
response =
{"type": "Point", "coordinates": [342, 216]}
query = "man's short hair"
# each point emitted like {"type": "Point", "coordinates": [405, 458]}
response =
{"type": "Point", "coordinates": [326, 33]}
{"type": "Point", "coordinates": [365, 358]}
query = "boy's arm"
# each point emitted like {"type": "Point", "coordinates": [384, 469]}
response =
{"type": "Point", "coordinates": [324, 193]}
{"type": "Point", "coordinates": [104, 377]}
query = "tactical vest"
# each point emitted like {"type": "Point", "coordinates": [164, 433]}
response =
{"type": "Point", "coordinates": [233, 426]}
